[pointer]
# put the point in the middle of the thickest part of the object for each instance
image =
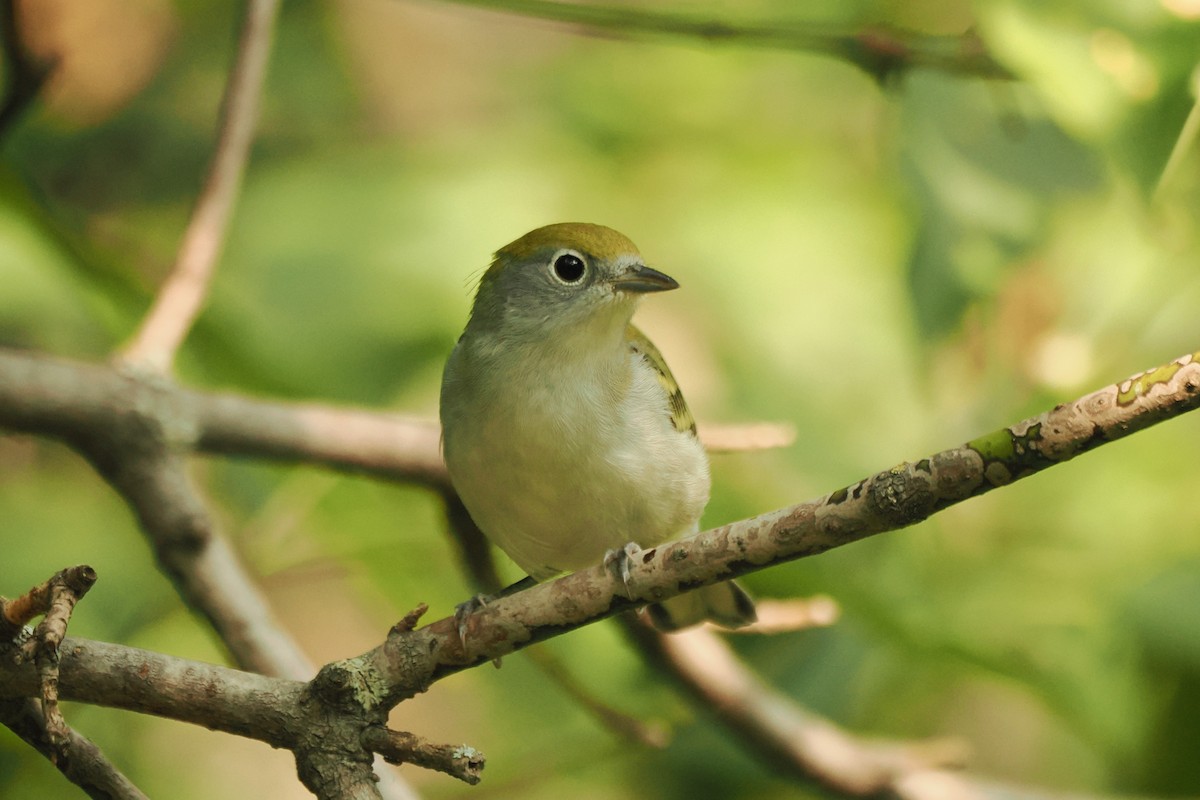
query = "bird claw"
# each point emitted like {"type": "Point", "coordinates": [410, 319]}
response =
{"type": "Point", "coordinates": [618, 563]}
{"type": "Point", "coordinates": [464, 610]}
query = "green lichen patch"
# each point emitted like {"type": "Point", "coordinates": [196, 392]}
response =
{"type": "Point", "coordinates": [1131, 389]}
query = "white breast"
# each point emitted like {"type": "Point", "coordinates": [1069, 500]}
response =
{"type": "Point", "coordinates": [558, 469]}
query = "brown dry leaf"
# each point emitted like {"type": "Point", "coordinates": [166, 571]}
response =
{"type": "Point", "coordinates": [104, 51]}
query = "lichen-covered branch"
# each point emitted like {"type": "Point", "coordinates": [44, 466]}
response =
{"type": "Point", "coordinates": [889, 500]}
{"type": "Point", "coordinates": [38, 395]}
{"type": "Point", "coordinates": [399, 747]}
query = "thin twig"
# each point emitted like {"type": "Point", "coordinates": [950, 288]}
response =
{"type": "Point", "coordinates": [399, 747]}
{"type": "Point", "coordinates": [56, 599]}
{"type": "Point", "coordinates": [789, 616]}
{"type": "Point", "coordinates": [1184, 143]}
{"type": "Point", "coordinates": [643, 733]}
{"type": "Point", "coordinates": [180, 299]}
{"type": "Point", "coordinates": [747, 437]}
{"type": "Point", "coordinates": [789, 738]}
{"type": "Point", "coordinates": [880, 51]}
{"type": "Point", "coordinates": [85, 765]}
{"type": "Point", "coordinates": [63, 596]}
{"type": "Point", "coordinates": [40, 599]}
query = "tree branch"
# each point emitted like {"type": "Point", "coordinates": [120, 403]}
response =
{"type": "Point", "coordinates": [409, 660]}
{"type": "Point", "coordinates": [475, 555]}
{"type": "Point", "coordinates": [889, 500]}
{"type": "Point", "coordinates": [43, 726]}
{"type": "Point", "coordinates": [69, 400]}
{"type": "Point", "coordinates": [56, 599]}
{"type": "Point", "coordinates": [219, 698]}
{"type": "Point", "coordinates": [179, 300]}
{"type": "Point", "coordinates": [348, 696]}
{"type": "Point", "coordinates": [84, 765]}
{"type": "Point", "coordinates": [787, 737]}
{"type": "Point", "coordinates": [391, 446]}
{"type": "Point", "coordinates": [133, 427]}
{"type": "Point", "coordinates": [788, 616]}
{"type": "Point", "coordinates": [880, 51]}
{"type": "Point", "coordinates": [795, 741]}
{"type": "Point", "coordinates": [134, 454]}
{"type": "Point", "coordinates": [398, 747]}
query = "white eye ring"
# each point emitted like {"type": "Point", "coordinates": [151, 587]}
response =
{"type": "Point", "coordinates": [568, 267]}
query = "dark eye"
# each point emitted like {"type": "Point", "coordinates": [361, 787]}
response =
{"type": "Point", "coordinates": [569, 268]}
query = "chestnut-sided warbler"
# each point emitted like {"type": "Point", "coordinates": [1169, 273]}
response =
{"type": "Point", "coordinates": [564, 432]}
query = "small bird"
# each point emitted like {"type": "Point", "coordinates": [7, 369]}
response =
{"type": "Point", "coordinates": [564, 432]}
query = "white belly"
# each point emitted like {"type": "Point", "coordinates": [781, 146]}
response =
{"type": "Point", "coordinates": [571, 471]}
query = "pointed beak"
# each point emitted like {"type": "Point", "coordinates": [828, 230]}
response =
{"type": "Point", "coordinates": [641, 279]}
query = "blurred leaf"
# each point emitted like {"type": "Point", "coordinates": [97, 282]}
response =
{"type": "Point", "coordinates": [983, 184]}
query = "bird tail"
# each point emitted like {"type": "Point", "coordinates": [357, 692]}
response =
{"type": "Point", "coordinates": [725, 604]}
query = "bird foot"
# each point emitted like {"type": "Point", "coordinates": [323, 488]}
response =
{"type": "Point", "coordinates": [465, 609]}
{"type": "Point", "coordinates": [618, 563]}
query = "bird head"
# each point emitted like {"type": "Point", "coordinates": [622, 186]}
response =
{"type": "Point", "coordinates": [571, 276]}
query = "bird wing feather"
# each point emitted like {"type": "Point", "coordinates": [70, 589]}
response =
{"type": "Point", "coordinates": [681, 415]}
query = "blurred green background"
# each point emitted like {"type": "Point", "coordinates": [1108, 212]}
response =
{"type": "Point", "coordinates": [892, 269]}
